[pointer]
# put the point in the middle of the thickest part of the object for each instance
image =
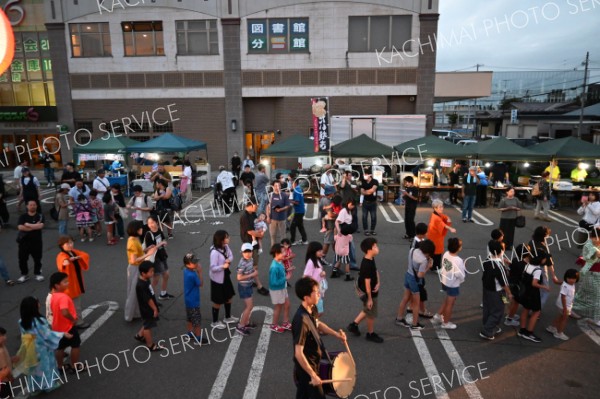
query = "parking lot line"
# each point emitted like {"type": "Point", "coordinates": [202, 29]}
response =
{"type": "Point", "coordinates": [112, 308]}
{"type": "Point", "coordinates": [429, 365]}
{"type": "Point", "coordinates": [587, 326]}
{"type": "Point", "coordinates": [399, 219]}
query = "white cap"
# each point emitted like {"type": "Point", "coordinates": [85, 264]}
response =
{"type": "Point", "coordinates": [247, 247]}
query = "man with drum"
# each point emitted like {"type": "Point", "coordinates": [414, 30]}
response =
{"type": "Point", "coordinates": [307, 349]}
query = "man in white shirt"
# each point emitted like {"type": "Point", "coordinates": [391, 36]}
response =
{"type": "Point", "coordinates": [140, 203]}
{"type": "Point", "coordinates": [101, 183]}
{"type": "Point", "coordinates": [226, 179]}
{"type": "Point", "coordinates": [327, 180]}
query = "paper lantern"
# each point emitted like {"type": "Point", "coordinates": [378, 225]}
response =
{"type": "Point", "coordinates": [7, 43]}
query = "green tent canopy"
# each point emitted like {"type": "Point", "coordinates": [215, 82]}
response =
{"type": "Point", "coordinates": [432, 147]}
{"type": "Point", "coordinates": [362, 146]}
{"type": "Point", "coordinates": [502, 149]}
{"type": "Point", "coordinates": [293, 147]}
{"type": "Point", "coordinates": [568, 148]}
{"type": "Point", "coordinates": [112, 145]}
{"type": "Point", "coordinates": [168, 142]}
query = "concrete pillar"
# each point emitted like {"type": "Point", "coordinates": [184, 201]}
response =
{"type": "Point", "coordinates": [426, 69]}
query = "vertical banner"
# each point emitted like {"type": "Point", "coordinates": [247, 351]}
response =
{"type": "Point", "coordinates": [320, 112]}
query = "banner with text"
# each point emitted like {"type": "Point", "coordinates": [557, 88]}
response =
{"type": "Point", "coordinates": [320, 112]}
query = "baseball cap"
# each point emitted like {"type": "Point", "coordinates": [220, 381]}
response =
{"type": "Point", "coordinates": [190, 258]}
{"type": "Point", "coordinates": [247, 247]}
{"type": "Point", "coordinates": [65, 186]}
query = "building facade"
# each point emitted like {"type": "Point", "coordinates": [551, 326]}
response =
{"type": "Point", "coordinates": [237, 74]}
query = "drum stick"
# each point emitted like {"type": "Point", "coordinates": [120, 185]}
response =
{"type": "Point", "coordinates": [334, 381]}
{"type": "Point", "coordinates": [348, 350]}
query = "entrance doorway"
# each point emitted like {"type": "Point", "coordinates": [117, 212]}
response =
{"type": "Point", "coordinates": [256, 142]}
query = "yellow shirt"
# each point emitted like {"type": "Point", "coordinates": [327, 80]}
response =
{"type": "Point", "coordinates": [578, 175]}
{"type": "Point", "coordinates": [554, 172]}
{"type": "Point", "coordinates": [134, 246]}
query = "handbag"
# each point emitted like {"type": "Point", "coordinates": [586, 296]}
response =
{"type": "Point", "coordinates": [520, 221]}
{"type": "Point", "coordinates": [152, 258]}
{"type": "Point", "coordinates": [123, 212]}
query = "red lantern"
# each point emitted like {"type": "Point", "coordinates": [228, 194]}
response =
{"type": "Point", "coordinates": [7, 43]}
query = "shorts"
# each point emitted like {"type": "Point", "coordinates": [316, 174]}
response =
{"type": "Point", "coordinates": [73, 342]}
{"type": "Point", "coordinates": [160, 266]}
{"type": "Point", "coordinates": [451, 291]}
{"type": "Point", "coordinates": [561, 309]}
{"type": "Point", "coordinates": [371, 313]}
{"type": "Point", "coordinates": [245, 291]}
{"type": "Point", "coordinates": [193, 316]}
{"type": "Point", "coordinates": [149, 323]}
{"type": "Point", "coordinates": [342, 258]}
{"type": "Point", "coordinates": [320, 307]}
{"type": "Point", "coordinates": [411, 283]}
{"type": "Point", "coordinates": [278, 297]}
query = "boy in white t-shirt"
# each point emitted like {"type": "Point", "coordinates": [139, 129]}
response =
{"type": "Point", "coordinates": [565, 303]}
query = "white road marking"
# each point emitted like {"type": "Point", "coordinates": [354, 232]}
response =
{"type": "Point", "coordinates": [477, 217]}
{"type": "Point", "coordinates": [557, 216]}
{"type": "Point", "coordinates": [429, 365]}
{"type": "Point", "coordinates": [590, 329]}
{"type": "Point", "coordinates": [251, 390]}
{"type": "Point", "coordinates": [387, 216]}
{"type": "Point", "coordinates": [458, 364]}
{"type": "Point", "coordinates": [42, 193]}
{"type": "Point", "coordinates": [112, 308]}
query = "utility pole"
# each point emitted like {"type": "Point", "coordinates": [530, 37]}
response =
{"type": "Point", "coordinates": [475, 133]}
{"type": "Point", "coordinates": [583, 94]}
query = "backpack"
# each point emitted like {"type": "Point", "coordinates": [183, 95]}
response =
{"type": "Point", "coordinates": [176, 202]}
{"type": "Point", "coordinates": [525, 282]}
{"type": "Point", "coordinates": [536, 190]}
{"type": "Point", "coordinates": [54, 213]}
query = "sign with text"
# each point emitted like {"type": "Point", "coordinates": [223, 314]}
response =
{"type": "Point", "coordinates": [28, 114]}
{"type": "Point", "coordinates": [277, 35]}
{"type": "Point", "coordinates": [320, 115]}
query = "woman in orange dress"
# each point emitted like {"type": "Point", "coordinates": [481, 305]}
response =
{"type": "Point", "coordinates": [439, 225]}
{"type": "Point", "coordinates": [73, 262]}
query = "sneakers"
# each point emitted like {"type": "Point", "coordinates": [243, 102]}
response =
{"type": "Point", "coordinates": [323, 230]}
{"type": "Point", "coordinates": [437, 319]}
{"type": "Point", "coordinates": [523, 333]}
{"type": "Point", "coordinates": [373, 337]}
{"type": "Point", "coordinates": [287, 326]}
{"type": "Point", "coordinates": [511, 322]}
{"type": "Point", "coordinates": [260, 251]}
{"type": "Point", "coordinates": [250, 326]}
{"type": "Point", "coordinates": [304, 242]}
{"type": "Point", "coordinates": [277, 329]}
{"type": "Point", "coordinates": [299, 242]}
{"type": "Point", "coordinates": [39, 277]}
{"type": "Point", "coordinates": [230, 319]}
{"type": "Point", "coordinates": [484, 336]}
{"type": "Point", "coordinates": [551, 330]}
{"type": "Point", "coordinates": [218, 325]}
{"type": "Point", "coordinates": [417, 327]}
{"type": "Point", "coordinates": [373, 233]}
{"type": "Point", "coordinates": [367, 233]}
{"type": "Point", "coordinates": [263, 291]}
{"type": "Point", "coordinates": [197, 340]}
{"type": "Point", "coordinates": [166, 296]}
{"type": "Point", "coordinates": [10, 282]}
{"type": "Point", "coordinates": [242, 331]}
{"type": "Point", "coordinates": [335, 273]}
{"type": "Point", "coordinates": [353, 328]}
{"type": "Point", "coordinates": [498, 331]}
{"type": "Point", "coordinates": [574, 315]}
{"type": "Point", "coordinates": [562, 336]}
{"type": "Point", "coordinates": [448, 326]}
{"type": "Point", "coordinates": [349, 278]}
{"type": "Point", "coordinates": [402, 322]}
{"type": "Point", "coordinates": [91, 239]}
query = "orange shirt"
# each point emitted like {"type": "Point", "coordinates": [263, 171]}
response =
{"type": "Point", "coordinates": [74, 289]}
{"type": "Point", "coordinates": [436, 231]}
{"type": "Point", "coordinates": [61, 301]}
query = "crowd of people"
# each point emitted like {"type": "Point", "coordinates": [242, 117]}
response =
{"type": "Point", "coordinates": [513, 275]}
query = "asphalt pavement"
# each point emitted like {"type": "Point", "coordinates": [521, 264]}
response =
{"type": "Point", "coordinates": [426, 364]}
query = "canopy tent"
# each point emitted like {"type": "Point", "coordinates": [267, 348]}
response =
{"type": "Point", "coordinates": [168, 142]}
{"type": "Point", "coordinates": [432, 147]}
{"type": "Point", "coordinates": [112, 145]}
{"type": "Point", "coordinates": [502, 149]}
{"type": "Point", "coordinates": [293, 147]}
{"type": "Point", "coordinates": [568, 148]}
{"type": "Point", "coordinates": [361, 147]}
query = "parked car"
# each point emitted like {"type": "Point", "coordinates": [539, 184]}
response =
{"type": "Point", "coordinates": [449, 135]}
{"type": "Point", "coordinates": [466, 142]}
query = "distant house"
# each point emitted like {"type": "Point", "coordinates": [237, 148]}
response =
{"type": "Point", "coordinates": [556, 120]}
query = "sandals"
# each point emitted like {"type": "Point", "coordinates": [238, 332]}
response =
{"type": "Point", "coordinates": [155, 348]}
{"type": "Point", "coordinates": [139, 338]}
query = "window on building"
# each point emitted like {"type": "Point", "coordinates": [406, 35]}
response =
{"type": "Point", "coordinates": [85, 125]}
{"type": "Point", "coordinates": [381, 33]}
{"type": "Point", "coordinates": [164, 128]}
{"type": "Point", "coordinates": [90, 40]}
{"type": "Point", "coordinates": [197, 37]}
{"type": "Point", "coordinates": [28, 81]}
{"type": "Point", "coordinates": [143, 38]}
{"type": "Point", "coordinates": [278, 35]}
{"type": "Point", "coordinates": [137, 127]}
